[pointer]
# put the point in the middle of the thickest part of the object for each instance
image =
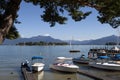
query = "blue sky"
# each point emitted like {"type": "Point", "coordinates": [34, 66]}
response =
{"type": "Point", "coordinates": [32, 25]}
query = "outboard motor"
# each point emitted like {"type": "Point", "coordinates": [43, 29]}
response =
{"type": "Point", "coordinates": [25, 65]}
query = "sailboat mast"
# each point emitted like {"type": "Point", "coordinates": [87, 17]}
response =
{"type": "Point", "coordinates": [71, 42]}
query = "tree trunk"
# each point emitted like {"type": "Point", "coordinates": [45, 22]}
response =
{"type": "Point", "coordinates": [7, 19]}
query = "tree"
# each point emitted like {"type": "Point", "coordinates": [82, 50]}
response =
{"type": "Point", "coordinates": [8, 15]}
{"type": "Point", "coordinates": [109, 12]}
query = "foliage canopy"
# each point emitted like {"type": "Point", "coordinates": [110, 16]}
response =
{"type": "Point", "coordinates": [108, 11]}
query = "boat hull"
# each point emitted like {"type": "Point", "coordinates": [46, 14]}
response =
{"type": "Point", "coordinates": [37, 67]}
{"type": "Point", "coordinates": [71, 69]}
{"type": "Point", "coordinates": [81, 61]}
{"type": "Point", "coordinates": [74, 51]}
{"type": "Point", "coordinates": [106, 66]}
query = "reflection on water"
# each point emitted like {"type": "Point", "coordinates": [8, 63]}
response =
{"type": "Point", "coordinates": [39, 75]}
{"type": "Point", "coordinates": [12, 56]}
{"type": "Point", "coordinates": [56, 75]}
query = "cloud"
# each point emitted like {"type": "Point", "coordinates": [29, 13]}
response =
{"type": "Point", "coordinates": [46, 34]}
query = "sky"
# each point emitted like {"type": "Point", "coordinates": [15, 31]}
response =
{"type": "Point", "coordinates": [32, 25]}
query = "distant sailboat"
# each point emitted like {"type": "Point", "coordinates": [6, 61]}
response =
{"type": "Point", "coordinates": [73, 50]}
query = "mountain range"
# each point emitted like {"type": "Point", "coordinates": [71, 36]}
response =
{"type": "Point", "coordinates": [100, 41]}
{"type": "Point", "coordinates": [32, 39]}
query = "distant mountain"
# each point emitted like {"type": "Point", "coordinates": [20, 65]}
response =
{"type": "Point", "coordinates": [32, 39]}
{"type": "Point", "coordinates": [76, 42]}
{"type": "Point", "coordinates": [105, 40]}
{"type": "Point", "coordinates": [100, 41]}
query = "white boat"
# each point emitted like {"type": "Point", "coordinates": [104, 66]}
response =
{"type": "Point", "coordinates": [37, 66]}
{"type": "Point", "coordinates": [115, 48]}
{"type": "Point", "coordinates": [81, 60]}
{"type": "Point", "coordinates": [64, 58]}
{"type": "Point", "coordinates": [105, 65]}
{"type": "Point", "coordinates": [64, 66]}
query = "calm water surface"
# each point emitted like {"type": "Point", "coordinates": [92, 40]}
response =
{"type": "Point", "coordinates": [12, 56]}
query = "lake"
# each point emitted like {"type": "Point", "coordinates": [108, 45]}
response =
{"type": "Point", "coordinates": [12, 56]}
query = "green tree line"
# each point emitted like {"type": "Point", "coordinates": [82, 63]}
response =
{"type": "Point", "coordinates": [42, 43]}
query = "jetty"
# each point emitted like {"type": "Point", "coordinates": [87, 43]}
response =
{"type": "Point", "coordinates": [89, 74]}
{"type": "Point", "coordinates": [29, 75]}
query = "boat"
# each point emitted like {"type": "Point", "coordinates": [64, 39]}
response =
{"type": "Point", "coordinates": [37, 66]}
{"type": "Point", "coordinates": [64, 66]}
{"type": "Point", "coordinates": [73, 50]}
{"type": "Point", "coordinates": [96, 52]}
{"type": "Point", "coordinates": [116, 57]}
{"type": "Point", "coordinates": [81, 59]}
{"type": "Point", "coordinates": [64, 58]}
{"type": "Point", "coordinates": [105, 64]}
{"type": "Point", "coordinates": [114, 50]}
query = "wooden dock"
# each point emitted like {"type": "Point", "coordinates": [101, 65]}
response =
{"type": "Point", "coordinates": [89, 74]}
{"type": "Point", "coordinates": [27, 75]}
{"type": "Point", "coordinates": [30, 76]}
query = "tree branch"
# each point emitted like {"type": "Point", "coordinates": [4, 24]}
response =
{"type": "Point", "coordinates": [89, 4]}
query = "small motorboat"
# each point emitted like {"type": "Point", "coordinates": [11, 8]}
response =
{"type": "Point", "coordinates": [64, 58]}
{"type": "Point", "coordinates": [37, 66]}
{"type": "Point", "coordinates": [64, 66]}
{"type": "Point", "coordinates": [105, 64]}
{"type": "Point", "coordinates": [81, 59]}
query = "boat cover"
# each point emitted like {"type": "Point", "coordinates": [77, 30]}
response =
{"type": "Point", "coordinates": [117, 55]}
{"type": "Point", "coordinates": [103, 57]}
{"type": "Point", "coordinates": [37, 57]}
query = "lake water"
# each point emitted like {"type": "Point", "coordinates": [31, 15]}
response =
{"type": "Point", "coordinates": [12, 56]}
